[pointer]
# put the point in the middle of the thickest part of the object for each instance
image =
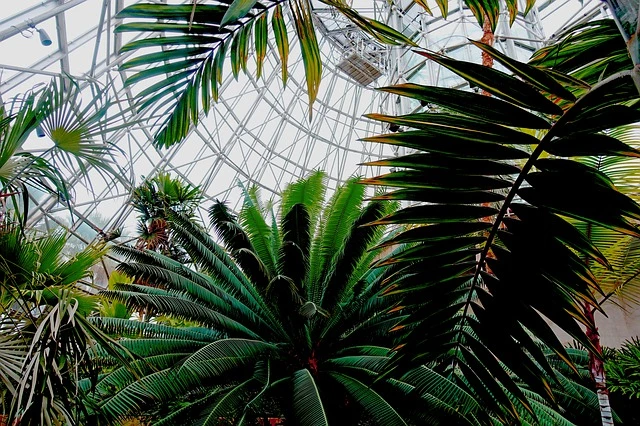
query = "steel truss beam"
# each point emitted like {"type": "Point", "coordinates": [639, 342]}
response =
{"type": "Point", "coordinates": [28, 18]}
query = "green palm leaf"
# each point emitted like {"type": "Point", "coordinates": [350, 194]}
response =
{"type": "Point", "coordinates": [254, 222]}
{"type": "Point", "coordinates": [474, 307]}
{"type": "Point", "coordinates": [238, 243]}
{"type": "Point", "coordinates": [371, 401]}
{"type": "Point", "coordinates": [307, 403]}
{"type": "Point", "coordinates": [214, 260]}
{"type": "Point", "coordinates": [228, 404]}
{"type": "Point", "coordinates": [309, 191]}
{"type": "Point", "coordinates": [58, 110]}
{"type": "Point", "coordinates": [427, 381]}
{"type": "Point", "coordinates": [190, 54]}
{"type": "Point", "coordinates": [224, 355]}
{"type": "Point", "coordinates": [340, 213]}
{"type": "Point", "coordinates": [588, 51]}
{"type": "Point", "coordinates": [130, 329]}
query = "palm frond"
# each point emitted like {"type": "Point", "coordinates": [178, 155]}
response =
{"type": "Point", "coordinates": [371, 401]}
{"type": "Point", "coordinates": [238, 243]}
{"type": "Point", "coordinates": [252, 218]}
{"type": "Point", "coordinates": [477, 310]}
{"type": "Point", "coordinates": [589, 52]}
{"type": "Point", "coordinates": [359, 238]}
{"type": "Point", "coordinates": [133, 329]}
{"type": "Point", "coordinates": [293, 260]}
{"type": "Point", "coordinates": [428, 381]}
{"type": "Point", "coordinates": [189, 56]}
{"type": "Point", "coordinates": [307, 403]}
{"type": "Point", "coordinates": [214, 260]}
{"type": "Point", "coordinates": [309, 191]}
{"type": "Point", "coordinates": [180, 307]}
{"type": "Point", "coordinates": [224, 355]}
{"type": "Point", "coordinates": [338, 216]}
{"type": "Point", "coordinates": [135, 395]}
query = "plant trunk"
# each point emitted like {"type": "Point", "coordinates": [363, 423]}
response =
{"type": "Point", "coordinates": [487, 38]}
{"type": "Point", "coordinates": [596, 369]}
{"type": "Point", "coordinates": [487, 61]}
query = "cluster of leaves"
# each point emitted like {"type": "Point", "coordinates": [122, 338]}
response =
{"type": "Point", "coordinates": [288, 320]}
{"type": "Point", "coordinates": [188, 57]}
{"type": "Point", "coordinates": [58, 112]}
{"type": "Point", "coordinates": [44, 333]}
{"type": "Point", "coordinates": [154, 200]}
{"type": "Point", "coordinates": [497, 200]}
{"type": "Point", "coordinates": [623, 369]}
{"type": "Point", "coordinates": [589, 52]}
{"type": "Point", "coordinates": [191, 53]}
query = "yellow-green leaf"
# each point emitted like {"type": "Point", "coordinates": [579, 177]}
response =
{"type": "Point", "coordinates": [310, 50]}
{"type": "Point", "coordinates": [424, 5]}
{"type": "Point", "coordinates": [261, 42]}
{"type": "Point", "coordinates": [282, 40]}
{"type": "Point", "coordinates": [237, 10]}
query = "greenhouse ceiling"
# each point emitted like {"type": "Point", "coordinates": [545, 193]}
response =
{"type": "Point", "coordinates": [259, 132]}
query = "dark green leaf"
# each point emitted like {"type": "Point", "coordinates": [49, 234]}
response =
{"type": "Point", "coordinates": [499, 84]}
{"type": "Point", "coordinates": [446, 196]}
{"type": "Point", "coordinates": [437, 232]}
{"type": "Point", "coordinates": [437, 162]}
{"type": "Point", "coordinates": [437, 214]}
{"type": "Point", "coordinates": [282, 40]}
{"type": "Point", "coordinates": [440, 142]}
{"type": "Point", "coordinates": [535, 76]}
{"type": "Point", "coordinates": [438, 179]}
{"type": "Point", "coordinates": [237, 9]}
{"type": "Point", "coordinates": [474, 105]}
{"type": "Point", "coordinates": [590, 144]}
{"type": "Point", "coordinates": [459, 126]}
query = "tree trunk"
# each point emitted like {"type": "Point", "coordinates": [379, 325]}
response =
{"type": "Point", "coordinates": [487, 61]}
{"type": "Point", "coordinates": [596, 368]}
{"type": "Point", "coordinates": [487, 38]}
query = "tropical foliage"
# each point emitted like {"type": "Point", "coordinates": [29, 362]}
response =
{"type": "Point", "coordinates": [623, 368]}
{"type": "Point", "coordinates": [593, 51]}
{"type": "Point", "coordinates": [289, 321]}
{"type": "Point", "coordinates": [44, 333]}
{"type": "Point", "coordinates": [288, 311]}
{"type": "Point", "coordinates": [188, 56]}
{"type": "Point", "coordinates": [589, 51]}
{"type": "Point", "coordinates": [499, 176]}
{"type": "Point", "coordinates": [154, 200]}
{"type": "Point", "coordinates": [57, 112]}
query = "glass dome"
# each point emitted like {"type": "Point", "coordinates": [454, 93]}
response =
{"type": "Point", "coordinates": [259, 132]}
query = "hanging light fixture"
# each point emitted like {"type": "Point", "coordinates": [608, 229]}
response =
{"type": "Point", "coordinates": [45, 40]}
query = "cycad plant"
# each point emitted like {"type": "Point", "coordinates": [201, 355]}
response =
{"type": "Point", "coordinates": [495, 180]}
{"type": "Point", "coordinates": [291, 322]}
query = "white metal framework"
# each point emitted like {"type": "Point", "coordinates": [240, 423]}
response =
{"type": "Point", "coordinates": [259, 131]}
